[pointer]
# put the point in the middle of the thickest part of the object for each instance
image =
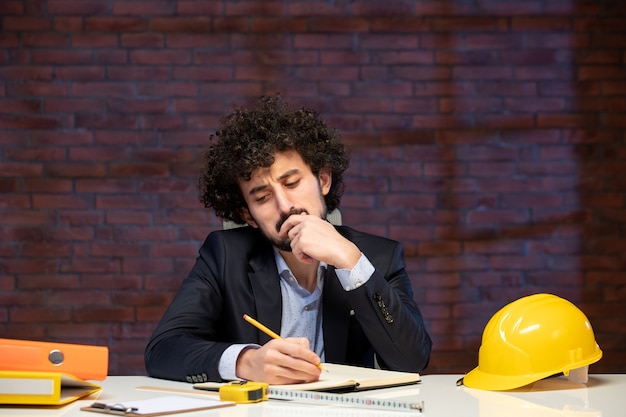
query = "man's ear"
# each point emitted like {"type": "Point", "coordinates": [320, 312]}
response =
{"type": "Point", "coordinates": [245, 214]}
{"type": "Point", "coordinates": [326, 179]}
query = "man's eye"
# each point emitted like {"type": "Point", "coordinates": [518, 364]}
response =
{"type": "Point", "coordinates": [262, 198]}
{"type": "Point", "coordinates": [292, 184]}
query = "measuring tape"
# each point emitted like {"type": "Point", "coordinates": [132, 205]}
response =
{"type": "Point", "coordinates": [315, 397]}
{"type": "Point", "coordinates": [251, 392]}
{"type": "Point", "coordinates": [243, 392]}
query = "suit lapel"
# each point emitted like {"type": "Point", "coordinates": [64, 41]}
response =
{"type": "Point", "coordinates": [336, 313]}
{"type": "Point", "coordinates": [265, 285]}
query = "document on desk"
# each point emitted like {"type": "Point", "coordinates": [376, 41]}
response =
{"type": "Point", "coordinates": [336, 377]}
{"type": "Point", "coordinates": [160, 406]}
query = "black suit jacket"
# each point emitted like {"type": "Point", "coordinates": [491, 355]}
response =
{"type": "Point", "coordinates": [235, 274]}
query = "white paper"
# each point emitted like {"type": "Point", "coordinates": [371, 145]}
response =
{"type": "Point", "coordinates": [170, 404]}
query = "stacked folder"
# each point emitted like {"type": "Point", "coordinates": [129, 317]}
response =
{"type": "Point", "coordinates": [49, 373]}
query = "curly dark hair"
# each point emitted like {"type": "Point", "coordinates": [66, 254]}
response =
{"type": "Point", "coordinates": [248, 139]}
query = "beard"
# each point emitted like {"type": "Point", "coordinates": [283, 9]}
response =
{"type": "Point", "coordinates": [285, 244]}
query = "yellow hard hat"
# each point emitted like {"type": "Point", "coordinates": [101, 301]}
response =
{"type": "Point", "coordinates": [532, 338]}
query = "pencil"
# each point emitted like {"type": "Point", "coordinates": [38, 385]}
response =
{"type": "Point", "coordinates": [267, 331]}
{"type": "Point", "coordinates": [261, 327]}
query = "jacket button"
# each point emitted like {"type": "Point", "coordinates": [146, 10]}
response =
{"type": "Point", "coordinates": [383, 308]}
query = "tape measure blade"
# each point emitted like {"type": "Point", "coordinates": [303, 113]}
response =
{"type": "Point", "coordinates": [316, 397]}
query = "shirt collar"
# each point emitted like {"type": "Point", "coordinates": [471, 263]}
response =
{"type": "Point", "coordinates": [284, 271]}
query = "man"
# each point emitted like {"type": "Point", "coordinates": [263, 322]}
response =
{"type": "Point", "coordinates": [332, 293]}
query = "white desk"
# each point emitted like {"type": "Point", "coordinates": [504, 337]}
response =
{"type": "Point", "coordinates": [604, 395]}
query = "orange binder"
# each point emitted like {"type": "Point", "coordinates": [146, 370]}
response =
{"type": "Point", "coordinates": [81, 361]}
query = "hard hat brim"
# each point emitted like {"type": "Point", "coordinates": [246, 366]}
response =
{"type": "Point", "coordinates": [481, 380]}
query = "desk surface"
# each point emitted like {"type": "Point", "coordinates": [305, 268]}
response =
{"type": "Point", "coordinates": [604, 395]}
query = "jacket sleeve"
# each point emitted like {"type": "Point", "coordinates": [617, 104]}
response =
{"type": "Point", "coordinates": [387, 313]}
{"type": "Point", "coordinates": [184, 346]}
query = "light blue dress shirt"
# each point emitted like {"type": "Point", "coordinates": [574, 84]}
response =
{"type": "Point", "coordinates": [302, 310]}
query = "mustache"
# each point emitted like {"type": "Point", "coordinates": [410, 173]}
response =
{"type": "Point", "coordinates": [285, 216]}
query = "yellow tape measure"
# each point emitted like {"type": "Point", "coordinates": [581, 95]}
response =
{"type": "Point", "coordinates": [243, 392]}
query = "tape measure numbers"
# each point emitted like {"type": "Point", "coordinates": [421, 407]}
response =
{"type": "Point", "coordinates": [315, 397]}
{"type": "Point", "coordinates": [243, 392]}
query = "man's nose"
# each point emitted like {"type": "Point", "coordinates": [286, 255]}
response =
{"type": "Point", "coordinates": [283, 202]}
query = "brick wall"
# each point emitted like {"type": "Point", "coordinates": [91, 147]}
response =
{"type": "Point", "coordinates": [487, 136]}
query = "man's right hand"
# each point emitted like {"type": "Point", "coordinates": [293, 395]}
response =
{"type": "Point", "coordinates": [279, 361]}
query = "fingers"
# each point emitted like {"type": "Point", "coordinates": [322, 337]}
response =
{"type": "Point", "coordinates": [313, 238]}
{"type": "Point", "coordinates": [286, 361]}
{"type": "Point", "coordinates": [298, 347]}
{"type": "Point", "coordinates": [292, 229]}
{"type": "Point", "coordinates": [295, 354]}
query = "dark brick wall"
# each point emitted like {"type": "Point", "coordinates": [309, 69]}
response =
{"type": "Point", "coordinates": [487, 136]}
